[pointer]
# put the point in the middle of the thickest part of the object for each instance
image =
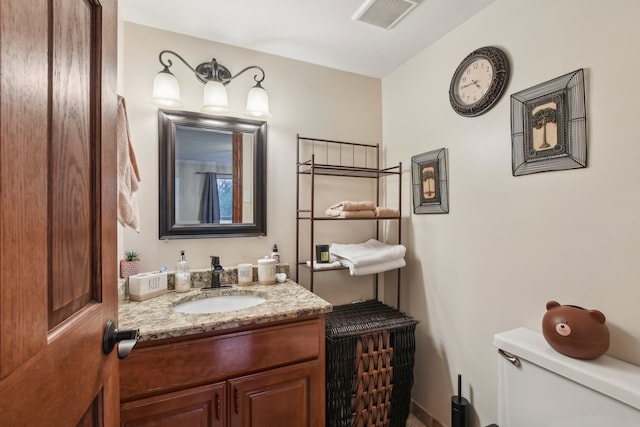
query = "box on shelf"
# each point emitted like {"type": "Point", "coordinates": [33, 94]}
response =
{"type": "Point", "coordinates": [147, 285]}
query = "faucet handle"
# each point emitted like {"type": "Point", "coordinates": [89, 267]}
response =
{"type": "Point", "coordinates": [215, 263]}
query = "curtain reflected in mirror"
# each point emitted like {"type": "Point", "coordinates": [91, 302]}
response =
{"type": "Point", "coordinates": [212, 175]}
{"type": "Point", "coordinates": [209, 211]}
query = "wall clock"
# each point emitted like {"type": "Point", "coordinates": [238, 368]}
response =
{"type": "Point", "coordinates": [479, 81]}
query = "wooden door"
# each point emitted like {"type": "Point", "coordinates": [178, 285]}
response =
{"type": "Point", "coordinates": [58, 261]}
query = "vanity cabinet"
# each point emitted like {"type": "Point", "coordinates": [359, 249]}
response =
{"type": "Point", "coordinates": [263, 376]}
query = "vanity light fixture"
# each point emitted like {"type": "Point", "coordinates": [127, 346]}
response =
{"type": "Point", "coordinates": [166, 91]}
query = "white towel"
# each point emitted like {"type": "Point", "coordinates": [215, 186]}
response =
{"type": "Point", "coordinates": [367, 253]}
{"type": "Point", "coordinates": [374, 268]}
{"type": "Point", "coordinates": [324, 265]}
{"type": "Point", "coordinates": [128, 175]}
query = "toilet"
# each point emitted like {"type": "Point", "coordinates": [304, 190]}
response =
{"type": "Point", "coordinates": [539, 387]}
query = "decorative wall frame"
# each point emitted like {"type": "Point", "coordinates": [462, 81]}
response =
{"type": "Point", "coordinates": [430, 182]}
{"type": "Point", "coordinates": [549, 126]}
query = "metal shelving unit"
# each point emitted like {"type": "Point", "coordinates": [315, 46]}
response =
{"type": "Point", "coordinates": [346, 160]}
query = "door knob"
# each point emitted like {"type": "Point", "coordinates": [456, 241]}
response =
{"type": "Point", "coordinates": [125, 339]}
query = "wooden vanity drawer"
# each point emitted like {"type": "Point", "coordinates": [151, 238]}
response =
{"type": "Point", "coordinates": [204, 360]}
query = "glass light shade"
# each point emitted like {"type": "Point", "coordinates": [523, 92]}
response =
{"type": "Point", "coordinates": [166, 91]}
{"type": "Point", "coordinates": [215, 98]}
{"type": "Point", "coordinates": [258, 103]}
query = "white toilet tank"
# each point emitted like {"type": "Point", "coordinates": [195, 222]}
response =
{"type": "Point", "coordinates": [549, 389]}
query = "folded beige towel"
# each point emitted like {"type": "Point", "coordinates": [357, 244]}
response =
{"type": "Point", "coordinates": [351, 214]}
{"type": "Point", "coordinates": [387, 212]}
{"type": "Point", "coordinates": [348, 205]}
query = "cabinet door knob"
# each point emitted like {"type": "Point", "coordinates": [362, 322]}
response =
{"type": "Point", "coordinates": [125, 339]}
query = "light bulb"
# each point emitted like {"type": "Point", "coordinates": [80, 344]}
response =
{"type": "Point", "coordinates": [215, 98]}
{"type": "Point", "coordinates": [166, 91]}
{"type": "Point", "coordinates": [258, 103]}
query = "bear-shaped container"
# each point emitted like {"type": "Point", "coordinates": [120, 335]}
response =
{"type": "Point", "coordinates": [575, 331]}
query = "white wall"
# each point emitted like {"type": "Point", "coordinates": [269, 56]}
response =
{"type": "Point", "coordinates": [510, 244]}
{"type": "Point", "coordinates": [307, 99]}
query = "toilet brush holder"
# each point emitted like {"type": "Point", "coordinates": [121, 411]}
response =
{"type": "Point", "coordinates": [459, 408]}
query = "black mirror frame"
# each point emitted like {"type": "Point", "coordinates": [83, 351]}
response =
{"type": "Point", "coordinates": [167, 122]}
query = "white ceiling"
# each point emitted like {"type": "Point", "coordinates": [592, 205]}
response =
{"type": "Point", "coordinates": [316, 31]}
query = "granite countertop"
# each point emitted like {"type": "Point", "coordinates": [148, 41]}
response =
{"type": "Point", "coordinates": [156, 319]}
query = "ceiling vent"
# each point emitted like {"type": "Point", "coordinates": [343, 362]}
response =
{"type": "Point", "coordinates": [384, 13]}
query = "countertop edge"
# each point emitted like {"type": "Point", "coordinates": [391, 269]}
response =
{"type": "Point", "coordinates": [156, 319]}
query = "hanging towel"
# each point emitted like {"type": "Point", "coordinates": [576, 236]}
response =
{"type": "Point", "coordinates": [128, 174]}
{"type": "Point", "coordinates": [348, 205]}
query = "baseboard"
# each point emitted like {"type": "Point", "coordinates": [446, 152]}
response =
{"type": "Point", "coordinates": [423, 416]}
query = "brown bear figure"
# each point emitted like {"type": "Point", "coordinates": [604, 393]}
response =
{"type": "Point", "coordinates": [575, 331]}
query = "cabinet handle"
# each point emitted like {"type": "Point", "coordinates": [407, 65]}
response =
{"type": "Point", "coordinates": [217, 406]}
{"type": "Point", "coordinates": [235, 400]}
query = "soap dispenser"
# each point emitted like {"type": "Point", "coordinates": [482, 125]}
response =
{"type": "Point", "coordinates": [182, 275]}
{"type": "Point", "coordinates": [275, 255]}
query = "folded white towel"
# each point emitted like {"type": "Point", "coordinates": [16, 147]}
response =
{"type": "Point", "coordinates": [374, 268]}
{"type": "Point", "coordinates": [367, 253]}
{"type": "Point", "coordinates": [324, 265]}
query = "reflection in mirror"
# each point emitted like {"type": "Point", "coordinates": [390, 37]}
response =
{"type": "Point", "coordinates": [206, 176]}
{"type": "Point", "coordinates": [212, 176]}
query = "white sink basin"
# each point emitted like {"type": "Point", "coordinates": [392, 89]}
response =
{"type": "Point", "coordinates": [219, 304]}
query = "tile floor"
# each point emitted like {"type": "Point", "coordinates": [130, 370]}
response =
{"type": "Point", "coordinates": [412, 421]}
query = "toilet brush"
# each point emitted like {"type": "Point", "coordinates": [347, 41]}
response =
{"type": "Point", "coordinates": [459, 408]}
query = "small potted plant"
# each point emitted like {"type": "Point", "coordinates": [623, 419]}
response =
{"type": "Point", "coordinates": [130, 265]}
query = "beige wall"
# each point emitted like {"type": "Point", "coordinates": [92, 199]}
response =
{"type": "Point", "coordinates": [510, 244]}
{"type": "Point", "coordinates": [307, 99]}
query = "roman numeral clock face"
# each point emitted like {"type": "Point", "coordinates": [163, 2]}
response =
{"type": "Point", "coordinates": [479, 81]}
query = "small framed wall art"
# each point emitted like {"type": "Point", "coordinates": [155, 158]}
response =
{"type": "Point", "coordinates": [549, 126]}
{"type": "Point", "coordinates": [430, 182]}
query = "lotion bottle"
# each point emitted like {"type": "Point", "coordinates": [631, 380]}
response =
{"type": "Point", "coordinates": [275, 255]}
{"type": "Point", "coordinates": [182, 275]}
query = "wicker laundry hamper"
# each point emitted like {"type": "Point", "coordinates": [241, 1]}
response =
{"type": "Point", "coordinates": [370, 355]}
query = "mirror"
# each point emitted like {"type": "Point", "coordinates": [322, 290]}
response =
{"type": "Point", "coordinates": [212, 176]}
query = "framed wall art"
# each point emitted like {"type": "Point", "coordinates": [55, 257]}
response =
{"type": "Point", "coordinates": [549, 126]}
{"type": "Point", "coordinates": [429, 182]}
